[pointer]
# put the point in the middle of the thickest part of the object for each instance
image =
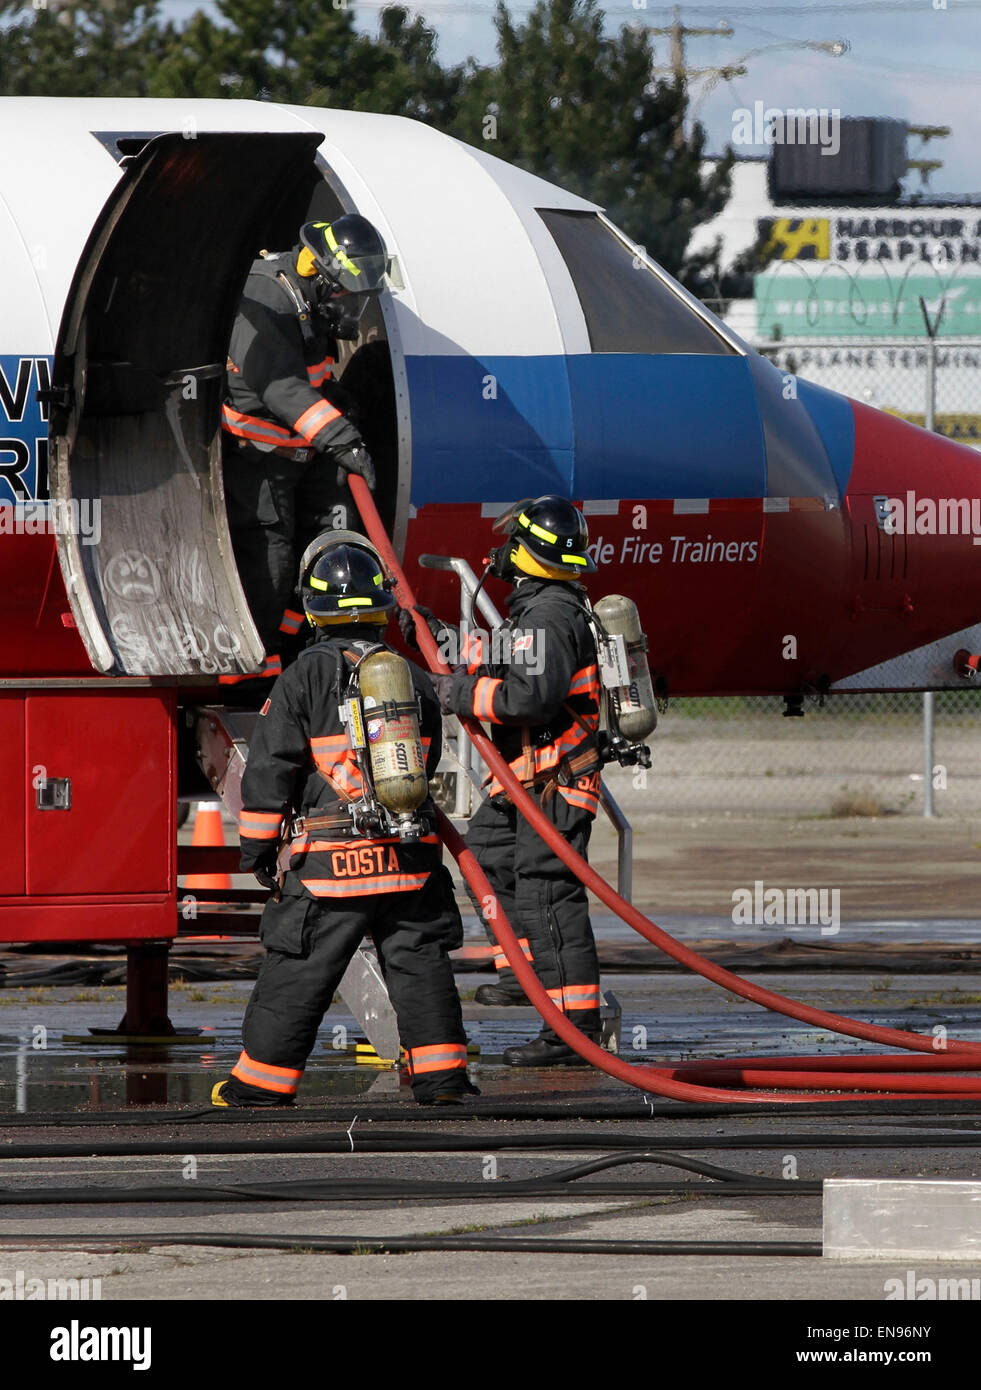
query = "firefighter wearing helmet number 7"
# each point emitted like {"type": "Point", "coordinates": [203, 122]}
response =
{"type": "Point", "coordinates": [543, 701]}
{"type": "Point", "coordinates": [337, 821]}
{"type": "Point", "coordinates": [289, 430]}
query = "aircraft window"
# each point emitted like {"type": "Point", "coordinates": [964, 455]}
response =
{"type": "Point", "coordinates": [627, 308]}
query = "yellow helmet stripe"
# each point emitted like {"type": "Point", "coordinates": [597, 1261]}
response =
{"type": "Point", "coordinates": [355, 602]}
{"type": "Point", "coordinates": [538, 531]}
{"type": "Point", "coordinates": [342, 258]}
{"type": "Point", "coordinates": [574, 560]}
{"type": "Point", "coordinates": [316, 583]}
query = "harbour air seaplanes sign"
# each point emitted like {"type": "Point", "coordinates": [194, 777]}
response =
{"type": "Point", "coordinates": [862, 273]}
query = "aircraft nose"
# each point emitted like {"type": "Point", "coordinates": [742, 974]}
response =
{"type": "Point", "coordinates": [914, 499]}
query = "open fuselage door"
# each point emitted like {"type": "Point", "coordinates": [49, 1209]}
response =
{"type": "Point", "coordinates": [137, 388]}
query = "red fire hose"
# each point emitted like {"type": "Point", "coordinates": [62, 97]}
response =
{"type": "Point", "coordinates": [659, 1080]}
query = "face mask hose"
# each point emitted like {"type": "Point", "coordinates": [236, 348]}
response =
{"type": "Point", "coordinates": [656, 1080]}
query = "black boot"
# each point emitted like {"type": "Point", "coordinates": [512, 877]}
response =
{"type": "Point", "coordinates": [544, 1052]}
{"type": "Point", "coordinates": [494, 994]}
{"type": "Point", "coordinates": [548, 1049]}
{"type": "Point", "coordinates": [451, 1093]}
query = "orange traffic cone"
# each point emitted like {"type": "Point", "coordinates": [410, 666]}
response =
{"type": "Point", "coordinates": [208, 831]}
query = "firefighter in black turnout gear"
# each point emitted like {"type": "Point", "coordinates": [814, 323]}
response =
{"type": "Point", "coordinates": [542, 701]}
{"type": "Point", "coordinates": [288, 432]}
{"type": "Point", "coordinates": [348, 875]}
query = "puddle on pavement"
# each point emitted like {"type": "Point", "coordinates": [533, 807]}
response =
{"type": "Point", "coordinates": [48, 1063]}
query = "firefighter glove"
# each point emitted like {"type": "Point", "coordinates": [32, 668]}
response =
{"type": "Point", "coordinates": [443, 685]}
{"type": "Point", "coordinates": [407, 624]}
{"type": "Point", "coordinates": [264, 870]}
{"type": "Point", "coordinates": [354, 460]}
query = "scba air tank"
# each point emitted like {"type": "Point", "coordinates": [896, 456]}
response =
{"type": "Point", "coordinates": [634, 707]}
{"type": "Point", "coordinates": [391, 715]}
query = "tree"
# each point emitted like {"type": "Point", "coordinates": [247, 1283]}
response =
{"type": "Point", "coordinates": [580, 109]}
{"type": "Point", "coordinates": [414, 83]}
{"type": "Point", "coordinates": [78, 48]}
{"type": "Point", "coordinates": [564, 100]}
{"type": "Point", "coordinates": [309, 55]}
{"type": "Point", "coordinates": [271, 50]}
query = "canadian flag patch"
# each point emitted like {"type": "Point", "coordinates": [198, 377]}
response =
{"type": "Point", "coordinates": [523, 643]}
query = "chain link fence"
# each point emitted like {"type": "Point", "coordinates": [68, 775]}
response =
{"type": "Point", "coordinates": [855, 755]}
{"type": "Point", "coordinates": [915, 378]}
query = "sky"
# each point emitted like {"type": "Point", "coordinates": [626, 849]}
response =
{"type": "Point", "coordinates": [913, 59]}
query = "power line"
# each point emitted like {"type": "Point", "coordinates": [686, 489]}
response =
{"type": "Point", "coordinates": [489, 7]}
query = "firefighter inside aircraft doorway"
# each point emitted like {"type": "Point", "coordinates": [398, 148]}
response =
{"type": "Point", "coordinates": [289, 430]}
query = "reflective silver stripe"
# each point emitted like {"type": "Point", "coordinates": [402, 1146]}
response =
{"type": "Point", "coordinates": [267, 1083]}
{"type": "Point", "coordinates": [457, 1054]}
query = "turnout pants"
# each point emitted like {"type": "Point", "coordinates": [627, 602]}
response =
{"type": "Point", "coordinates": [309, 944]}
{"type": "Point", "coordinates": [544, 901]}
{"type": "Point", "coordinates": [276, 507]}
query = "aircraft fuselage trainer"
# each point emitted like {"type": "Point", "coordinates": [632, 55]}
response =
{"type": "Point", "coordinates": [733, 504]}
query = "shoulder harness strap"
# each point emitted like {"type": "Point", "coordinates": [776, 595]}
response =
{"type": "Point", "coordinates": [301, 306]}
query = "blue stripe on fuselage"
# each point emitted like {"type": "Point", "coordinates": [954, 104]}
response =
{"type": "Point", "coordinates": [596, 425]}
{"type": "Point", "coordinates": [834, 420]}
{"type": "Point", "coordinates": [23, 427]}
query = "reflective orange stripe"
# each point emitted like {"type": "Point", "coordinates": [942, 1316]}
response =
{"type": "Point", "coordinates": [273, 667]}
{"type": "Point", "coordinates": [483, 699]}
{"type": "Point", "coordinates": [261, 431]}
{"type": "Point", "coordinates": [338, 763]}
{"type": "Point", "coordinates": [548, 757]}
{"type": "Point", "coordinates": [292, 621]}
{"type": "Point", "coordinates": [571, 997]}
{"type": "Point", "coordinates": [260, 825]}
{"type": "Point", "coordinates": [363, 887]}
{"type": "Point", "coordinates": [572, 737]}
{"type": "Point", "coordinates": [473, 652]}
{"type": "Point", "coordinates": [580, 997]}
{"type": "Point", "coordinates": [544, 759]}
{"type": "Point", "coordinates": [320, 371]}
{"type": "Point", "coordinates": [586, 799]}
{"type": "Point", "coordinates": [304, 845]}
{"type": "Point", "coordinates": [437, 1057]}
{"type": "Point", "coordinates": [283, 1080]}
{"type": "Point", "coordinates": [501, 960]}
{"type": "Point", "coordinates": [585, 681]}
{"type": "Point", "coordinates": [312, 421]}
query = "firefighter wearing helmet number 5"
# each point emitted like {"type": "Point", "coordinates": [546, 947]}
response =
{"type": "Point", "coordinates": [543, 703]}
{"type": "Point", "coordinates": [338, 823]}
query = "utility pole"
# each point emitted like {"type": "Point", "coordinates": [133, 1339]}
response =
{"type": "Point", "coordinates": [679, 32]}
